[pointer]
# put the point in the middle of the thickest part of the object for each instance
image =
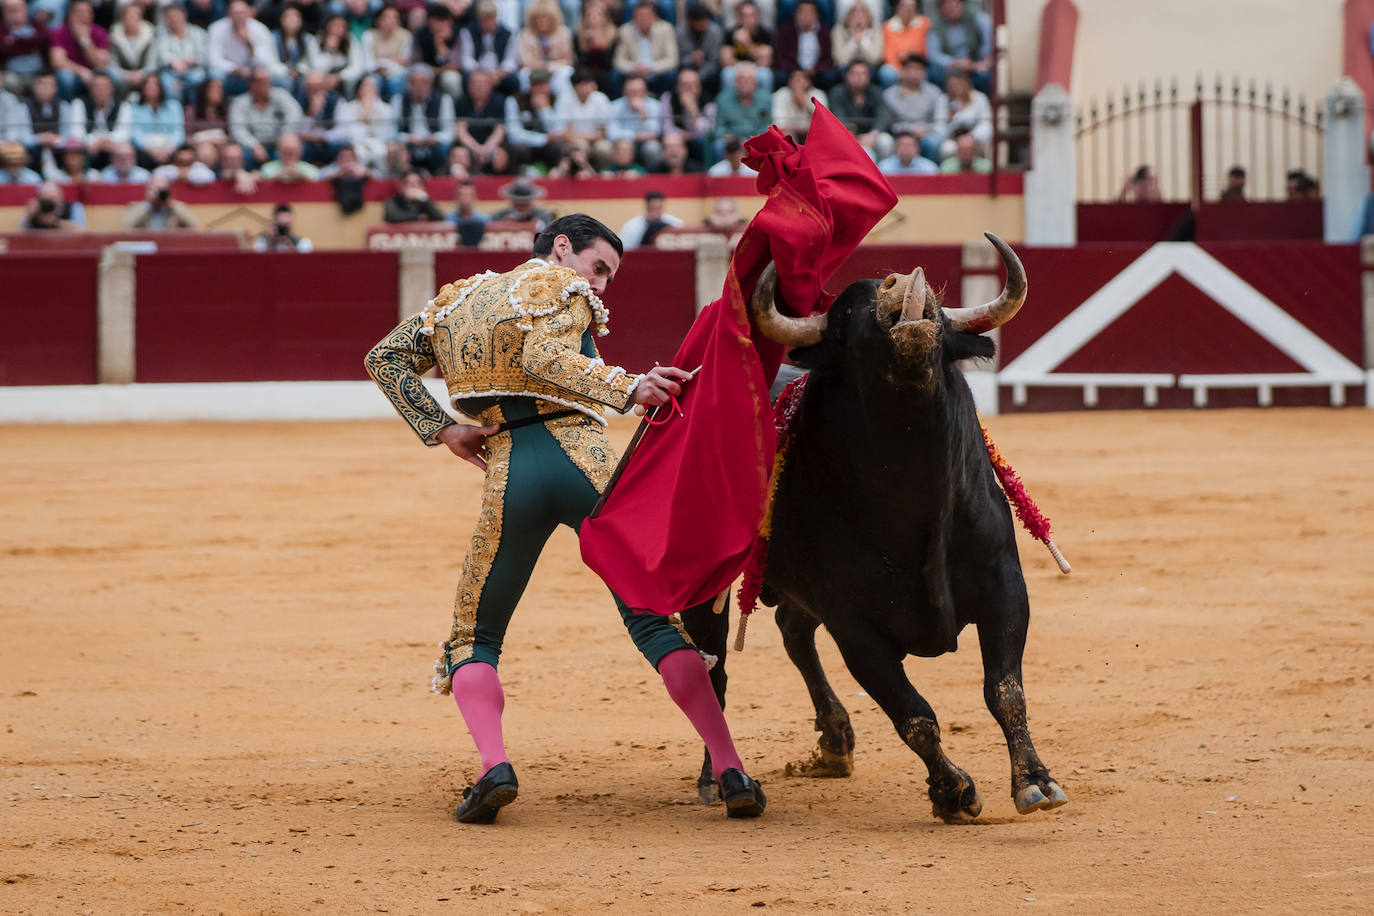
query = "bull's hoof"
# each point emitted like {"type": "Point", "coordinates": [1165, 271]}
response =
{"type": "Point", "coordinates": [957, 802]}
{"type": "Point", "coordinates": [709, 793]}
{"type": "Point", "coordinates": [970, 806]}
{"type": "Point", "coordinates": [823, 764]}
{"type": "Point", "coordinates": [1034, 798]}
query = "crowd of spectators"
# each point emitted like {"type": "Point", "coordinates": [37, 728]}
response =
{"type": "Point", "coordinates": [203, 90]}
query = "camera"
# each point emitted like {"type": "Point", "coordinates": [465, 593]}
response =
{"type": "Point", "coordinates": [163, 195]}
{"type": "Point", "coordinates": [47, 205]}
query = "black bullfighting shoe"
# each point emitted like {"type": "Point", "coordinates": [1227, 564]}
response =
{"type": "Point", "coordinates": [493, 791]}
{"type": "Point", "coordinates": [743, 796]}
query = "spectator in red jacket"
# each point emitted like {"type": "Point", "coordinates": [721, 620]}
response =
{"type": "Point", "coordinates": [804, 44]}
{"type": "Point", "coordinates": [80, 49]}
{"type": "Point", "coordinates": [23, 47]}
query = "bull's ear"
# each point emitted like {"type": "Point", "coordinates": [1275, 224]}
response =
{"type": "Point", "coordinates": [960, 345]}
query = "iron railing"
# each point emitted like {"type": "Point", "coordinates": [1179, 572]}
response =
{"type": "Point", "coordinates": [1192, 143]}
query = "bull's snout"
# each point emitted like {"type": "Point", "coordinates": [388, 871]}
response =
{"type": "Point", "coordinates": [905, 297]}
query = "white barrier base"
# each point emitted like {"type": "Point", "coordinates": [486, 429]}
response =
{"type": "Point", "coordinates": [200, 401]}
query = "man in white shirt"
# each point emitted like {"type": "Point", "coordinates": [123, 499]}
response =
{"type": "Point", "coordinates": [636, 117]}
{"type": "Point", "coordinates": [640, 231]}
{"type": "Point", "coordinates": [238, 44]}
{"type": "Point", "coordinates": [583, 115]}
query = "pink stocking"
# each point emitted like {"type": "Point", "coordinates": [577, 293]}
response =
{"type": "Point", "coordinates": [477, 691]}
{"type": "Point", "coordinates": [684, 674]}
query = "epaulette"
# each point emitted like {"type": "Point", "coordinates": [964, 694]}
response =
{"type": "Point", "coordinates": [552, 286]}
{"type": "Point", "coordinates": [449, 297]}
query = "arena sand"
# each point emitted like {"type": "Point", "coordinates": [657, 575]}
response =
{"type": "Point", "coordinates": [218, 639]}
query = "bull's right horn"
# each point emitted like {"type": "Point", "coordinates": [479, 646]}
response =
{"type": "Point", "coordinates": [777, 327]}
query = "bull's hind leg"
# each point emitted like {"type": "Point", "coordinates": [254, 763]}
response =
{"type": "Point", "coordinates": [871, 659]}
{"type": "Point", "coordinates": [710, 633]}
{"type": "Point", "coordinates": [834, 754]}
{"type": "Point", "coordinates": [1002, 645]}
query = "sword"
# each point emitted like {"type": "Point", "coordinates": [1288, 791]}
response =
{"type": "Point", "coordinates": [644, 425]}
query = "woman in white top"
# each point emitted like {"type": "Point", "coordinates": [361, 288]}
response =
{"type": "Point", "coordinates": [340, 57]}
{"type": "Point", "coordinates": [131, 45]}
{"type": "Point", "coordinates": [857, 37]}
{"type": "Point", "coordinates": [367, 123]}
{"type": "Point", "coordinates": [296, 48]}
{"type": "Point", "coordinates": [792, 104]}
{"type": "Point", "coordinates": [967, 108]}
{"type": "Point", "coordinates": [387, 50]}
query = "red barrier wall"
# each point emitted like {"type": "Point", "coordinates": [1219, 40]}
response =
{"type": "Point", "coordinates": [261, 317]}
{"type": "Point", "coordinates": [1174, 326]}
{"type": "Point", "coordinates": [48, 319]}
{"type": "Point", "coordinates": [652, 300]}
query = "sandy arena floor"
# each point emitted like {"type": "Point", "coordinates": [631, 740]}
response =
{"type": "Point", "coordinates": [218, 639]}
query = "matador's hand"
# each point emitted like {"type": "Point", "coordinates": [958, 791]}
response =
{"type": "Point", "coordinates": [467, 442]}
{"type": "Point", "coordinates": [659, 384]}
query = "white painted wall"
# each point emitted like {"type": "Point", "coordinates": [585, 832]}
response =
{"type": "Point", "coordinates": [1293, 43]}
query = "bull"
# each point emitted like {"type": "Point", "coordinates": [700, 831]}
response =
{"type": "Point", "coordinates": [889, 526]}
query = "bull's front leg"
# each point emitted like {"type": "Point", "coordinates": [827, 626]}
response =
{"type": "Point", "coordinates": [877, 666]}
{"type": "Point", "coordinates": [710, 632]}
{"type": "Point", "coordinates": [1002, 644]}
{"type": "Point", "coordinates": [834, 753]}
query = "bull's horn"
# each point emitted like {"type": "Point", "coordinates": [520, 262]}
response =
{"type": "Point", "coordinates": [790, 332]}
{"type": "Point", "coordinates": [979, 318]}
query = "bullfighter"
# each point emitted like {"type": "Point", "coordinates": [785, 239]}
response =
{"type": "Point", "coordinates": [518, 356]}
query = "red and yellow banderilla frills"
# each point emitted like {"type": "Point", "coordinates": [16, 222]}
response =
{"type": "Point", "coordinates": [784, 416]}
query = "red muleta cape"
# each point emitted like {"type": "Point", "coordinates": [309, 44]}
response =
{"type": "Point", "coordinates": [677, 528]}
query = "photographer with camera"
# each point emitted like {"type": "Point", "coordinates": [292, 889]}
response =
{"type": "Point", "coordinates": [158, 210]}
{"type": "Point", "coordinates": [50, 210]}
{"type": "Point", "coordinates": [278, 237]}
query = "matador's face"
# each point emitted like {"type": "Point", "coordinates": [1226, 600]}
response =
{"type": "Point", "coordinates": [597, 263]}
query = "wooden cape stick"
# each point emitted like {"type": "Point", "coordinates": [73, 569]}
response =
{"type": "Point", "coordinates": [644, 425]}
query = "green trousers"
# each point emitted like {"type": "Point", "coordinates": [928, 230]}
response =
{"type": "Point", "coordinates": [542, 489]}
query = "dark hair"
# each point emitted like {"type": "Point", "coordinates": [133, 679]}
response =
{"type": "Point", "coordinates": [811, 3]}
{"type": "Point", "coordinates": [907, 133]}
{"type": "Point", "coordinates": [916, 57]}
{"type": "Point", "coordinates": [438, 11]}
{"type": "Point", "coordinates": [654, 195]}
{"type": "Point", "coordinates": [203, 100]}
{"type": "Point", "coordinates": [185, 147]}
{"type": "Point", "coordinates": [697, 12]}
{"type": "Point", "coordinates": [281, 208]}
{"type": "Point", "coordinates": [1236, 172]}
{"type": "Point", "coordinates": [1140, 174]}
{"type": "Point", "coordinates": [803, 71]}
{"type": "Point", "coordinates": [732, 146]}
{"type": "Point", "coordinates": [581, 229]}
{"type": "Point", "coordinates": [965, 129]}
{"type": "Point", "coordinates": [582, 75]}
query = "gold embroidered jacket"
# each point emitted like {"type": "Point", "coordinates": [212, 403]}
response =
{"type": "Point", "coordinates": [524, 333]}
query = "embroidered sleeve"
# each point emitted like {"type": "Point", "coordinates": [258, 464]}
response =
{"type": "Point", "coordinates": [396, 365]}
{"type": "Point", "coordinates": [553, 355]}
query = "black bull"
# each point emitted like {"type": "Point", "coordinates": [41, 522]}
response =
{"type": "Point", "coordinates": [890, 529]}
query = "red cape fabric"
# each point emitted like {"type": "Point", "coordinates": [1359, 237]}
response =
{"type": "Point", "coordinates": [677, 528]}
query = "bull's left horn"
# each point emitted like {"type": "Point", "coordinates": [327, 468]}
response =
{"type": "Point", "coordinates": [790, 332]}
{"type": "Point", "coordinates": [979, 318]}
